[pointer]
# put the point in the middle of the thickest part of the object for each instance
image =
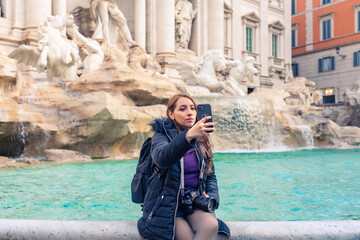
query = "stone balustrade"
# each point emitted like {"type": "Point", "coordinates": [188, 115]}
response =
{"type": "Point", "coordinates": [45, 229]}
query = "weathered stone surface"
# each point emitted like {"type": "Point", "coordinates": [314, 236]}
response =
{"type": "Point", "coordinates": [349, 113]}
{"type": "Point", "coordinates": [7, 162]}
{"type": "Point", "coordinates": [142, 88]}
{"type": "Point", "coordinates": [349, 134]}
{"type": "Point", "coordinates": [8, 74]}
{"type": "Point", "coordinates": [29, 161]}
{"type": "Point", "coordinates": [61, 155]}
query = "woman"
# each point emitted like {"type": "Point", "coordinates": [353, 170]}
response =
{"type": "Point", "coordinates": [180, 136]}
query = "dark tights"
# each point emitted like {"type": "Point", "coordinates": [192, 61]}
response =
{"type": "Point", "coordinates": [200, 225]}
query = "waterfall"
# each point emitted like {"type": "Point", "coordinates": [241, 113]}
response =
{"type": "Point", "coordinates": [307, 135]}
{"type": "Point", "coordinates": [305, 131]}
{"type": "Point", "coordinates": [18, 135]}
{"type": "Point", "coordinates": [242, 123]}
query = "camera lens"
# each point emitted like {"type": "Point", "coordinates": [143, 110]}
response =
{"type": "Point", "coordinates": [204, 203]}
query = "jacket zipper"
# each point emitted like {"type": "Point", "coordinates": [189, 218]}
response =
{"type": "Point", "coordinates": [177, 205]}
{"type": "Point", "coordinates": [155, 207]}
{"type": "Point", "coordinates": [177, 197]}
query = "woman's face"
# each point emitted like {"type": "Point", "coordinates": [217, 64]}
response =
{"type": "Point", "coordinates": [184, 113]}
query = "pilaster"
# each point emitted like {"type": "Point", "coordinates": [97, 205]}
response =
{"type": "Point", "coordinates": [216, 24]}
{"type": "Point", "coordinates": [140, 22]}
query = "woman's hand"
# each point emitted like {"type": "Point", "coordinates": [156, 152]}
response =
{"type": "Point", "coordinates": [205, 195]}
{"type": "Point", "coordinates": [200, 129]}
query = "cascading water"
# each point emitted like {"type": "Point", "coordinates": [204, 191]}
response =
{"type": "Point", "coordinates": [18, 136]}
{"type": "Point", "coordinates": [307, 135]}
{"type": "Point", "coordinates": [305, 131]}
{"type": "Point", "coordinates": [243, 123]}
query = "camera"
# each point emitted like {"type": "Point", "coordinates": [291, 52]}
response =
{"type": "Point", "coordinates": [192, 201]}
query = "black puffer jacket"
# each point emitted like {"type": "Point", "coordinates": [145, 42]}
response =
{"type": "Point", "coordinates": [161, 199]}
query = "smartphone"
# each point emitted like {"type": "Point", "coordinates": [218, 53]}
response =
{"type": "Point", "coordinates": [204, 110]}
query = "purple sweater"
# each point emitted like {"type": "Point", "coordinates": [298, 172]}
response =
{"type": "Point", "coordinates": [191, 170]}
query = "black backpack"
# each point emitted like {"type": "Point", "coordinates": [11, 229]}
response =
{"type": "Point", "coordinates": [145, 172]}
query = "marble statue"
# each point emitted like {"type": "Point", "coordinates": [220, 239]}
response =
{"type": "Point", "coordinates": [59, 56]}
{"type": "Point", "coordinates": [94, 53]}
{"type": "Point", "coordinates": [240, 72]}
{"type": "Point", "coordinates": [289, 76]}
{"type": "Point", "coordinates": [109, 18]}
{"type": "Point", "coordinates": [184, 16]}
{"type": "Point", "coordinates": [205, 76]}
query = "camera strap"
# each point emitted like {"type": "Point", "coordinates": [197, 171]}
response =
{"type": "Point", "coordinates": [182, 177]}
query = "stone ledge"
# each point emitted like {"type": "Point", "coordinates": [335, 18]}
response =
{"type": "Point", "coordinates": [46, 229]}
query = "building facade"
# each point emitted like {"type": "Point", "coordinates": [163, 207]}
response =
{"type": "Point", "coordinates": [240, 28]}
{"type": "Point", "coordinates": [326, 44]}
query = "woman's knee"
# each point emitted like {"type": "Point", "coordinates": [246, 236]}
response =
{"type": "Point", "coordinates": [207, 222]}
{"type": "Point", "coordinates": [211, 223]}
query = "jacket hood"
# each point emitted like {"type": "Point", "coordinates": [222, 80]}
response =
{"type": "Point", "coordinates": [159, 123]}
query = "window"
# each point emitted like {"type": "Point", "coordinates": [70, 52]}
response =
{"type": "Point", "coordinates": [250, 29]}
{"type": "Point", "coordinates": [327, 64]}
{"type": "Point", "coordinates": [249, 39]}
{"type": "Point", "coordinates": [293, 37]}
{"type": "Point", "coordinates": [2, 12]}
{"type": "Point", "coordinates": [356, 58]}
{"type": "Point", "coordinates": [295, 69]}
{"type": "Point", "coordinates": [356, 8]}
{"type": "Point", "coordinates": [276, 35]}
{"type": "Point", "coordinates": [328, 95]}
{"type": "Point", "coordinates": [275, 43]}
{"type": "Point", "coordinates": [326, 29]}
{"type": "Point", "coordinates": [293, 7]}
{"type": "Point", "coordinates": [326, 1]}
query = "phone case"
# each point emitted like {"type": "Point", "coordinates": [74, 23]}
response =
{"type": "Point", "coordinates": [204, 110]}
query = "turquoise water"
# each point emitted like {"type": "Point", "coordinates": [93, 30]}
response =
{"type": "Point", "coordinates": [296, 185]}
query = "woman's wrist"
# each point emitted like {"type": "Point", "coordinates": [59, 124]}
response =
{"type": "Point", "coordinates": [189, 136]}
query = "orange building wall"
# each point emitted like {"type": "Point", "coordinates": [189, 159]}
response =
{"type": "Point", "coordinates": [301, 33]}
{"type": "Point", "coordinates": [317, 3]}
{"type": "Point", "coordinates": [300, 6]}
{"type": "Point", "coordinates": [343, 23]}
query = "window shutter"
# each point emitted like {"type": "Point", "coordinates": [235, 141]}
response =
{"type": "Point", "coordinates": [358, 13]}
{"type": "Point", "coordinates": [324, 30]}
{"type": "Point", "coordinates": [332, 63]}
{"type": "Point", "coordinates": [356, 59]}
{"type": "Point", "coordinates": [329, 28]}
{"type": "Point", "coordinates": [320, 64]}
{"type": "Point", "coordinates": [293, 35]}
{"type": "Point", "coordinates": [296, 70]}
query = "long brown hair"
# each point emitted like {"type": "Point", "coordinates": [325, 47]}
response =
{"type": "Point", "coordinates": [204, 141]}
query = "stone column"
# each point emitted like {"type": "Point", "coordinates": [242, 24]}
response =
{"type": "Point", "coordinates": [59, 7]}
{"type": "Point", "coordinates": [140, 22]}
{"type": "Point", "coordinates": [151, 27]}
{"type": "Point", "coordinates": [265, 45]}
{"type": "Point", "coordinates": [165, 26]}
{"type": "Point", "coordinates": [18, 17]}
{"type": "Point", "coordinates": [216, 24]}
{"type": "Point", "coordinates": [287, 32]}
{"type": "Point", "coordinates": [36, 12]}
